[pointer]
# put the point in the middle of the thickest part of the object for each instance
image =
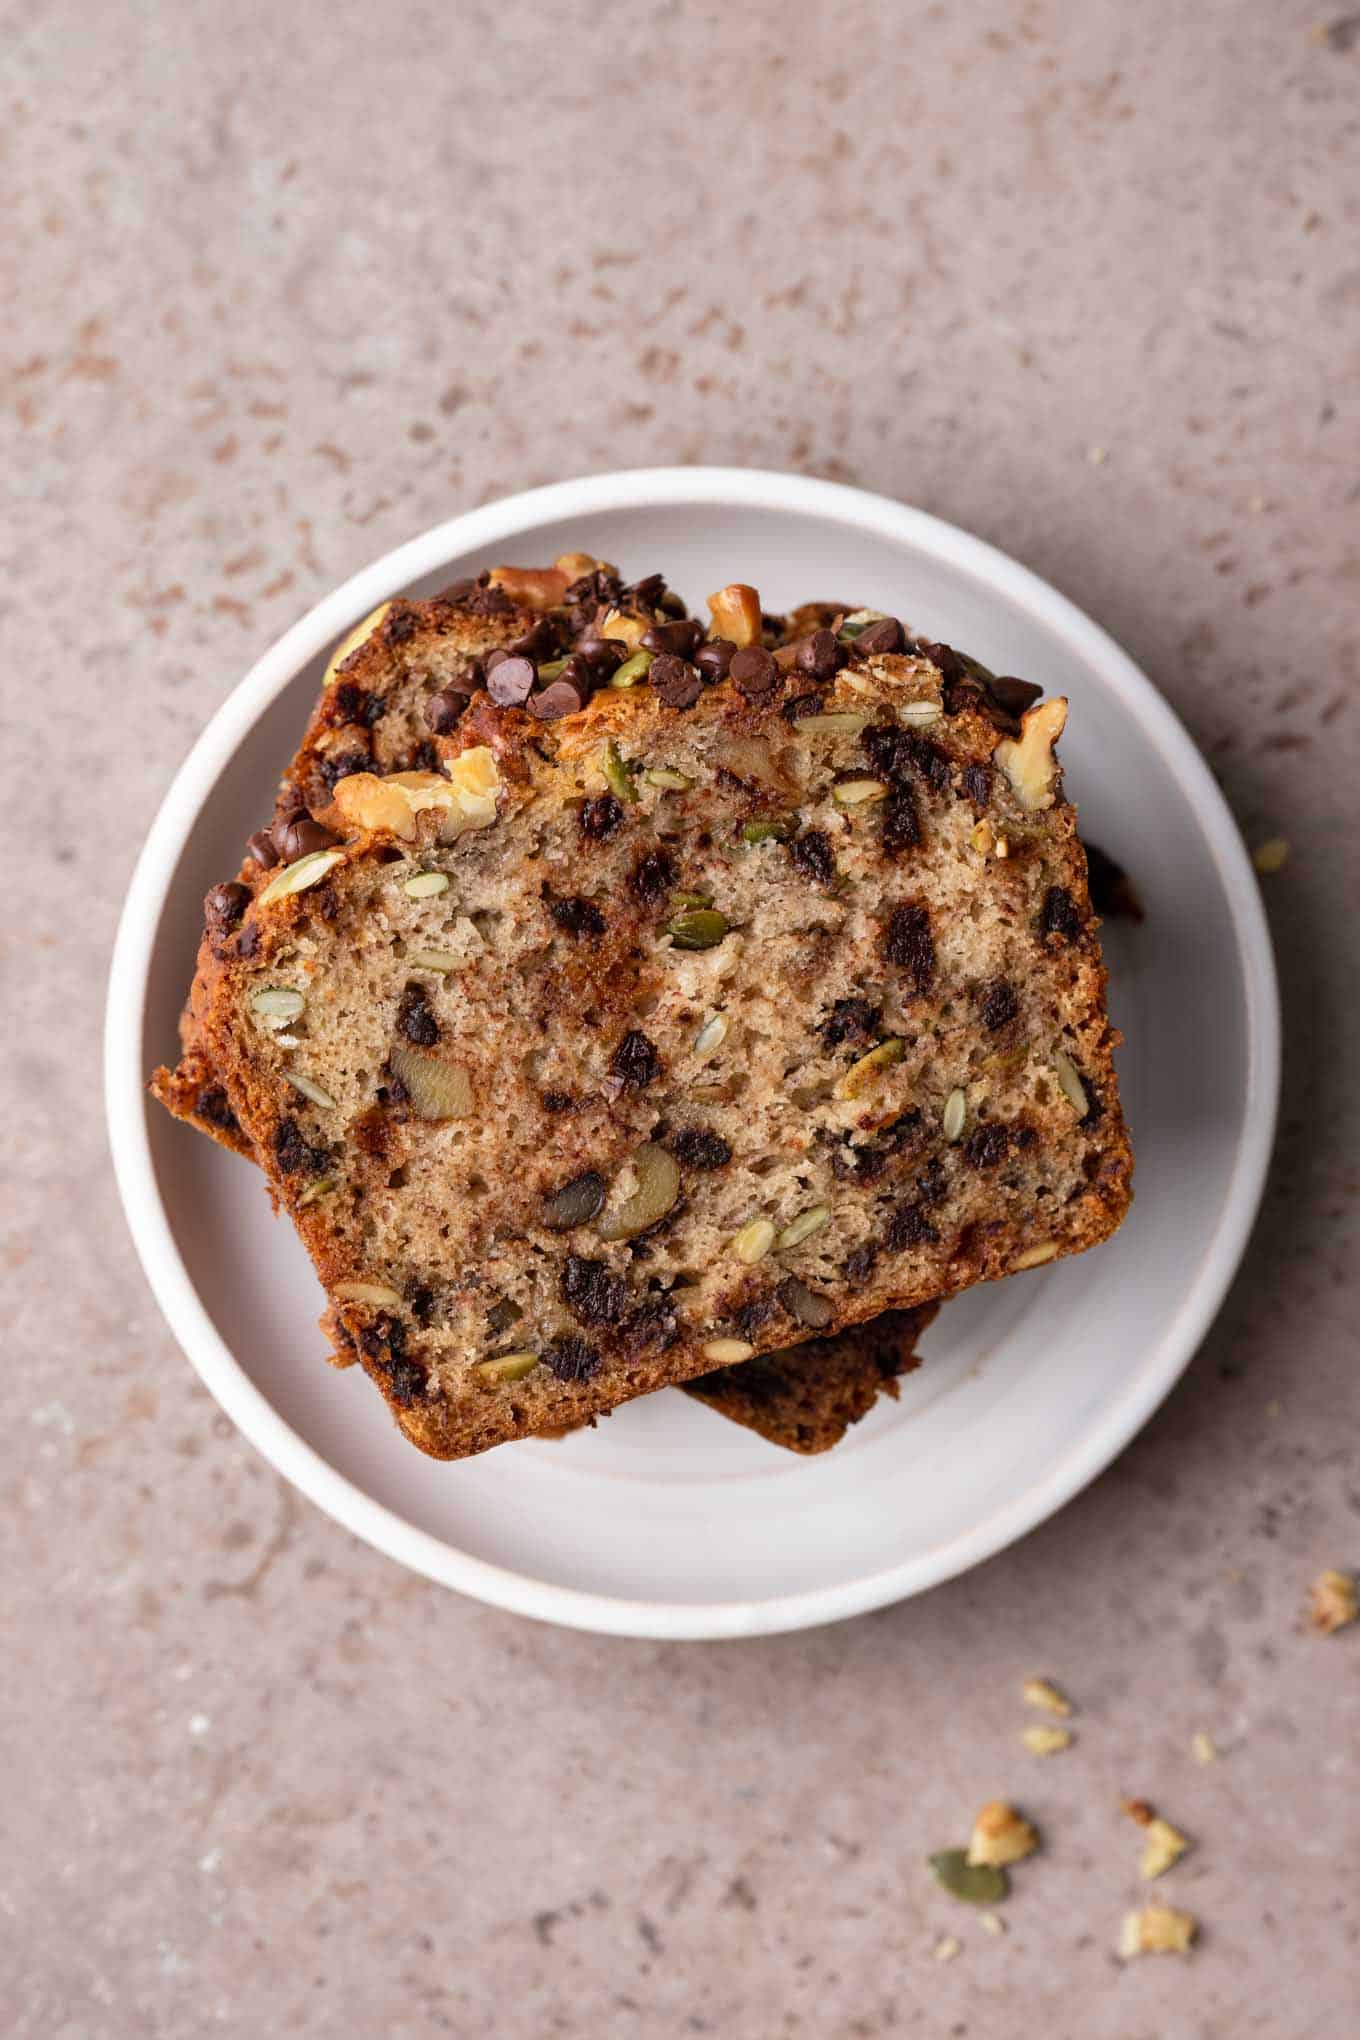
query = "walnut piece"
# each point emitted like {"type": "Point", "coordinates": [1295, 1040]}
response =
{"type": "Point", "coordinates": [1028, 761]}
{"type": "Point", "coordinates": [736, 614]}
{"type": "Point", "coordinates": [1332, 1602]}
{"type": "Point", "coordinates": [1000, 1836]}
{"type": "Point", "coordinates": [350, 644]}
{"type": "Point", "coordinates": [1157, 1930]}
{"type": "Point", "coordinates": [465, 800]}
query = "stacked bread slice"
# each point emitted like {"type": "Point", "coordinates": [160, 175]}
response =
{"type": "Point", "coordinates": [616, 1001]}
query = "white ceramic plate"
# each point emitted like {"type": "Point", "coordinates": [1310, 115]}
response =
{"type": "Point", "coordinates": [668, 1521]}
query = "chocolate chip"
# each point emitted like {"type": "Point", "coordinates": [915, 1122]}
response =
{"type": "Point", "coordinates": [901, 822]}
{"type": "Point", "coordinates": [415, 1017]}
{"type": "Point", "coordinates": [572, 1359]}
{"type": "Point", "coordinates": [399, 624]}
{"type": "Point", "coordinates": [248, 940]}
{"type": "Point", "coordinates": [750, 1316]}
{"type": "Point", "coordinates": [850, 1020]}
{"type": "Point", "coordinates": [559, 699]}
{"type": "Point", "coordinates": [600, 817]}
{"type": "Point", "coordinates": [297, 835]}
{"type": "Point", "coordinates": [458, 592]}
{"type": "Point", "coordinates": [591, 1293]}
{"type": "Point", "coordinates": [577, 916]}
{"type": "Point", "coordinates": [977, 784]}
{"type": "Point", "coordinates": [262, 847]}
{"type": "Point", "coordinates": [386, 1334]}
{"type": "Point", "coordinates": [646, 593]}
{"type": "Point", "coordinates": [294, 1153]}
{"type": "Point", "coordinates": [986, 1145]}
{"type": "Point", "coordinates": [407, 1380]}
{"type": "Point", "coordinates": [510, 682]}
{"type": "Point", "coordinates": [714, 658]}
{"type": "Point", "coordinates": [1015, 696]}
{"type": "Point", "coordinates": [675, 683]}
{"type": "Point", "coordinates": [820, 655]}
{"type": "Point", "coordinates": [636, 1061]}
{"type": "Point", "coordinates": [931, 1181]}
{"type": "Point", "coordinates": [999, 1004]}
{"type": "Point", "coordinates": [224, 906]}
{"type": "Point", "coordinates": [350, 704]}
{"type": "Point", "coordinates": [1112, 892]}
{"type": "Point", "coordinates": [602, 655]}
{"type": "Point", "coordinates": [680, 639]}
{"type": "Point", "coordinates": [444, 711]}
{"type": "Point", "coordinates": [652, 876]}
{"type": "Point", "coordinates": [909, 1227]}
{"type": "Point", "coordinates": [537, 643]}
{"type": "Point", "coordinates": [753, 671]}
{"type": "Point", "coordinates": [652, 1325]}
{"type": "Point", "coordinates": [859, 1265]}
{"type": "Point", "coordinates": [695, 1147]}
{"type": "Point", "coordinates": [557, 1101]}
{"type": "Point", "coordinates": [213, 1105]}
{"type": "Point", "coordinates": [877, 638]}
{"type": "Point", "coordinates": [422, 757]}
{"type": "Point", "coordinates": [812, 856]}
{"type": "Point", "coordinates": [908, 943]}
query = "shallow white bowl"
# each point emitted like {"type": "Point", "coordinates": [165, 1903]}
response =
{"type": "Point", "coordinates": [667, 1521]}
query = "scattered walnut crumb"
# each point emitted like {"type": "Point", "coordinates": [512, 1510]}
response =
{"type": "Point", "coordinates": [1332, 1602]}
{"type": "Point", "coordinates": [1000, 1836]}
{"type": "Point", "coordinates": [1157, 1930]}
{"type": "Point", "coordinates": [1203, 1748]}
{"type": "Point", "coordinates": [1042, 1741]}
{"type": "Point", "coordinates": [1271, 856]}
{"type": "Point", "coordinates": [1043, 1693]}
{"type": "Point", "coordinates": [947, 1948]}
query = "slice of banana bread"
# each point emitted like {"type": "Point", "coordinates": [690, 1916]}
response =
{"type": "Point", "coordinates": [731, 1008]}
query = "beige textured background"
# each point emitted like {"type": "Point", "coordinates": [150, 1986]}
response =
{"type": "Point", "coordinates": [284, 283]}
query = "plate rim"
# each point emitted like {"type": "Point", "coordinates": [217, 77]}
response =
{"type": "Point", "coordinates": [126, 1100]}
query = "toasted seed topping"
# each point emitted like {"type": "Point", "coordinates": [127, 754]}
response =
{"type": "Point", "coordinates": [632, 670]}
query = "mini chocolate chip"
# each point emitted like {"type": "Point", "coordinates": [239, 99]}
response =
{"type": "Point", "coordinates": [537, 643]}
{"type": "Point", "coordinates": [262, 847]}
{"type": "Point", "coordinates": [407, 1380]}
{"type": "Point", "coordinates": [753, 671]}
{"type": "Point", "coordinates": [977, 784]}
{"type": "Point", "coordinates": [931, 1181]}
{"type": "Point", "coordinates": [248, 940]}
{"type": "Point", "coordinates": [909, 1227]}
{"type": "Point", "coordinates": [510, 682]}
{"type": "Point", "coordinates": [224, 906]}
{"type": "Point", "coordinates": [820, 655]}
{"type": "Point", "coordinates": [415, 1017]}
{"type": "Point", "coordinates": [458, 592]}
{"type": "Point", "coordinates": [749, 1317]}
{"type": "Point", "coordinates": [901, 822]}
{"type": "Point", "coordinates": [680, 638]}
{"type": "Point", "coordinates": [559, 699]}
{"type": "Point", "coordinates": [714, 657]}
{"type": "Point", "coordinates": [213, 1105]}
{"type": "Point", "coordinates": [557, 1101]}
{"type": "Point", "coordinates": [877, 638]}
{"type": "Point", "coordinates": [578, 673]}
{"type": "Point", "coordinates": [908, 943]}
{"type": "Point", "coordinates": [859, 1265]}
{"type": "Point", "coordinates": [385, 1335]}
{"type": "Point", "coordinates": [999, 1003]}
{"type": "Point", "coordinates": [653, 875]}
{"type": "Point", "coordinates": [602, 655]}
{"type": "Point", "coordinates": [577, 916]}
{"type": "Point", "coordinates": [986, 1145]}
{"type": "Point", "coordinates": [1112, 891]}
{"type": "Point", "coordinates": [422, 757]}
{"type": "Point", "coordinates": [675, 683]}
{"type": "Point", "coordinates": [572, 1358]}
{"type": "Point", "coordinates": [399, 624]}
{"type": "Point", "coordinates": [812, 856]}
{"type": "Point", "coordinates": [600, 817]}
{"type": "Point", "coordinates": [652, 1324]}
{"type": "Point", "coordinates": [850, 1020]}
{"type": "Point", "coordinates": [294, 1153]}
{"type": "Point", "coordinates": [297, 835]}
{"type": "Point", "coordinates": [444, 711]}
{"type": "Point", "coordinates": [591, 1293]}
{"type": "Point", "coordinates": [646, 593]}
{"type": "Point", "coordinates": [695, 1147]}
{"type": "Point", "coordinates": [636, 1061]}
{"type": "Point", "coordinates": [1013, 695]}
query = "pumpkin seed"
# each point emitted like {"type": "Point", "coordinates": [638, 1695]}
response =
{"type": "Point", "coordinates": [311, 1089]}
{"type": "Point", "coordinates": [617, 775]}
{"type": "Point", "coordinates": [631, 671]}
{"type": "Point", "coordinates": [974, 1883]}
{"type": "Point", "coordinates": [803, 1227]}
{"type": "Point", "coordinates": [576, 1203]}
{"type": "Point", "coordinates": [1072, 1087]}
{"type": "Point", "coordinates": [438, 1089]}
{"type": "Point", "coordinates": [858, 792]}
{"type": "Point", "coordinates": [426, 884]}
{"type": "Point", "coordinates": [658, 1186]}
{"type": "Point", "coordinates": [753, 1242]}
{"type": "Point", "coordinates": [955, 1115]}
{"type": "Point", "coordinates": [321, 1188]}
{"type": "Point", "coordinates": [277, 1004]}
{"type": "Point", "coordinates": [838, 722]}
{"type": "Point", "coordinates": [434, 959]}
{"type": "Point", "coordinates": [506, 1367]}
{"type": "Point", "coordinates": [550, 670]}
{"type": "Point", "coordinates": [777, 829]}
{"type": "Point", "coordinates": [667, 778]}
{"type": "Point", "coordinates": [299, 875]}
{"type": "Point", "coordinates": [711, 1035]}
{"type": "Point", "coordinates": [379, 1294]}
{"type": "Point", "coordinates": [870, 1066]}
{"type": "Point", "coordinates": [857, 621]}
{"type": "Point", "coordinates": [803, 1303]}
{"type": "Point", "coordinates": [697, 928]}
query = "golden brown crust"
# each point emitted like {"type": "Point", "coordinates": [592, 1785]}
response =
{"type": "Point", "coordinates": [538, 763]}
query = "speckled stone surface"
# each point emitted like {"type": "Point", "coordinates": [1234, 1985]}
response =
{"type": "Point", "coordinates": [284, 284]}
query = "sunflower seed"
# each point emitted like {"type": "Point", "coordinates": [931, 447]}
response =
{"type": "Point", "coordinates": [426, 884]}
{"type": "Point", "coordinates": [312, 1090]}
